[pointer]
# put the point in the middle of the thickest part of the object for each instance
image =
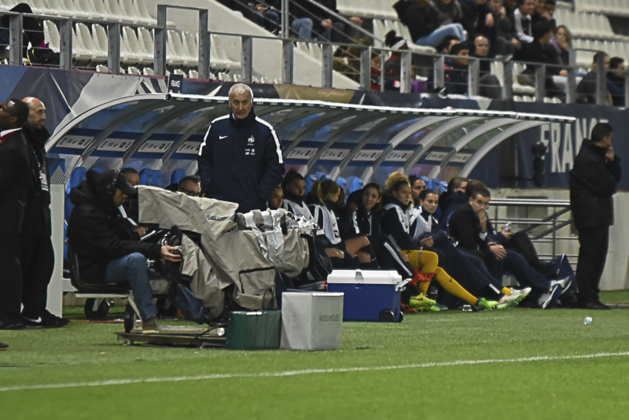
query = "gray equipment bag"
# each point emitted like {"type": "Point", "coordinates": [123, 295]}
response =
{"type": "Point", "coordinates": [239, 253]}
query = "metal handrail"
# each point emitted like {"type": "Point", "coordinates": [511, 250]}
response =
{"type": "Point", "coordinates": [114, 27]}
{"type": "Point", "coordinates": [560, 208]}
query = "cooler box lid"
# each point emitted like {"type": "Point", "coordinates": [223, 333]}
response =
{"type": "Point", "coordinates": [364, 277]}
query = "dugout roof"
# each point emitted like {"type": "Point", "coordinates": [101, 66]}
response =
{"type": "Point", "coordinates": [164, 131]}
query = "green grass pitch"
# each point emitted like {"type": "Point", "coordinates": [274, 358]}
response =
{"type": "Point", "coordinates": [515, 364]}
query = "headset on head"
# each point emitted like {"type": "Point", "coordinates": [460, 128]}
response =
{"type": "Point", "coordinates": [110, 188]}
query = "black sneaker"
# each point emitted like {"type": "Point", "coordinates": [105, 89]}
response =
{"type": "Point", "coordinates": [46, 320]}
{"type": "Point", "coordinates": [11, 324]}
{"type": "Point", "coordinates": [3, 346]}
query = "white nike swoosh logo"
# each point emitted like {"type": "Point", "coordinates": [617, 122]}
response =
{"type": "Point", "coordinates": [222, 137]}
{"type": "Point", "coordinates": [37, 321]}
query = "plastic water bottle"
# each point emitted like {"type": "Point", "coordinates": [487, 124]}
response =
{"type": "Point", "coordinates": [587, 320]}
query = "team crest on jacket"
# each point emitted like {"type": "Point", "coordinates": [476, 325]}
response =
{"type": "Point", "coordinates": [250, 150]}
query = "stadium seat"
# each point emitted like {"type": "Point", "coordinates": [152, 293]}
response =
{"type": "Point", "coordinates": [74, 9]}
{"type": "Point", "coordinates": [173, 46]}
{"type": "Point", "coordinates": [177, 176]}
{"type": "Point", "coordinates": [116, 11]}
{"type": "Point", "coordinates": [79, 52]}
{"type": "Point", "coordinates": [145, 37]}
{"type": "Point", "coordinates": [134, 47]}
{"type": "Point", "coordinates": [151, 177]}
{"type": "Point", "coordinates": [51, 35]}
{"type": "Point", "coordinates": [98, 54]}
{"type": "Point", "coordinates": [143, 9]}
{"type": "Point", "coordinates": [189, 41]}
{"type": "Point", "coordinates": [354, 183]}
{"type": "Point", "coordinates": [99, 37]}
{"type": "Point", "coordinates": [131, 9]}
{"type": "Point", "coordinates": [180, 47]}
{"type": "Point", "coordinates": [76, 177]}
{"type": "Point", "coordinates": [102, 9]}
{"type": "Point", "coordinates": [218, 56]}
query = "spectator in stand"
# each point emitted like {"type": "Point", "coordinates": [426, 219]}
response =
{"type": "Point", "coordinates": [308, 18]}
{"type": "Point", "coordinates": [448, 11]}
{"type": "Point", "coordinates": [586, 89]}
{"type": "Point", "coordinates": [544, 9]}
{"type": "Point", "coordinates": [301, 22]}
{"type": "Point", "coordinates": [424, 24]}
{"type": "Point", "coordinates": [446, 44]}
{"type": "Point", "coordinates": [522, 23]}
{"type": "Point", "coordinates": [392, 67]}
{"type": "Point", "coordinates": [494, 24]}
{"type": "Point", "coordinates": [488, 84]}
{"type": "Point", "coordinates": [267, 17]}
{"type": "Point", "coordinates": [472, 10]}
{"type": "Point", "coordinates": [276, 199]}
{"type": "Point", "coordinates": [481, 50]}
{"type": "Point", "coordinates": [561, 44]}
{"type": "Point", "coordinates": [540, 51]}
{"type": "Point", "coordinates": [33, 29]}
{"type": "Point", "coordinates": [456, 69]}
{"type": "Point", "coordinates": [510, 6]}
{"type": "Point", "coordinates": [616, 80]}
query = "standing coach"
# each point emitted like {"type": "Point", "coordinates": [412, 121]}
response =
{"type": "Point", "coordinates": [240, 159]}
{"type": "Point", "coordinates": [593, 181]}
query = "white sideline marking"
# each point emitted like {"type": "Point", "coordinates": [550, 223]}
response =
{"type": "Point", "coordinates": [307, 372]}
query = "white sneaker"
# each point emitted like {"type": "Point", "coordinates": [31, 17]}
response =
{"type": "Point", "coordinates": [563, 283]}
{"type": "Point", "coordinates": [549, 296]}
{"type": "Point", "coordinates": [516, 297]}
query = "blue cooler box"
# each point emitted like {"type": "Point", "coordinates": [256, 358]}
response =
{"type": "Point", "coordinates": [369, 295]}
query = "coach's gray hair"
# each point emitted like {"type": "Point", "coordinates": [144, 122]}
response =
{"type": "Point", "coordinates": [240, 88]}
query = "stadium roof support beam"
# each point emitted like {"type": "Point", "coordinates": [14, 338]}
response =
{"type": "Point", "coordinates": [466, 139]}
{"type": "Point", "coordinates": [495, 141]}
{"type": "Point", "coordinates": [435, 136]}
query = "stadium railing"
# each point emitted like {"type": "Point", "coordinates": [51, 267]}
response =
{"type": "Point", "coordinates": [207, 56]}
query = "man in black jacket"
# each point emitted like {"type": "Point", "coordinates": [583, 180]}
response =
{"type": "Point", "coordinates": [593, 181]}
{"type": "Point", "coordinates": [38, 258]}
{"type": "Point", "coordinates": [16, 186]}
{"type": "Point", "coordinates": [240, 159]}
{"type": "Point", "coordinates": [107, 248]}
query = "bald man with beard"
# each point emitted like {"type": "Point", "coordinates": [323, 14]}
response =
{"type": "Point", "coordinates": [38, 258]}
